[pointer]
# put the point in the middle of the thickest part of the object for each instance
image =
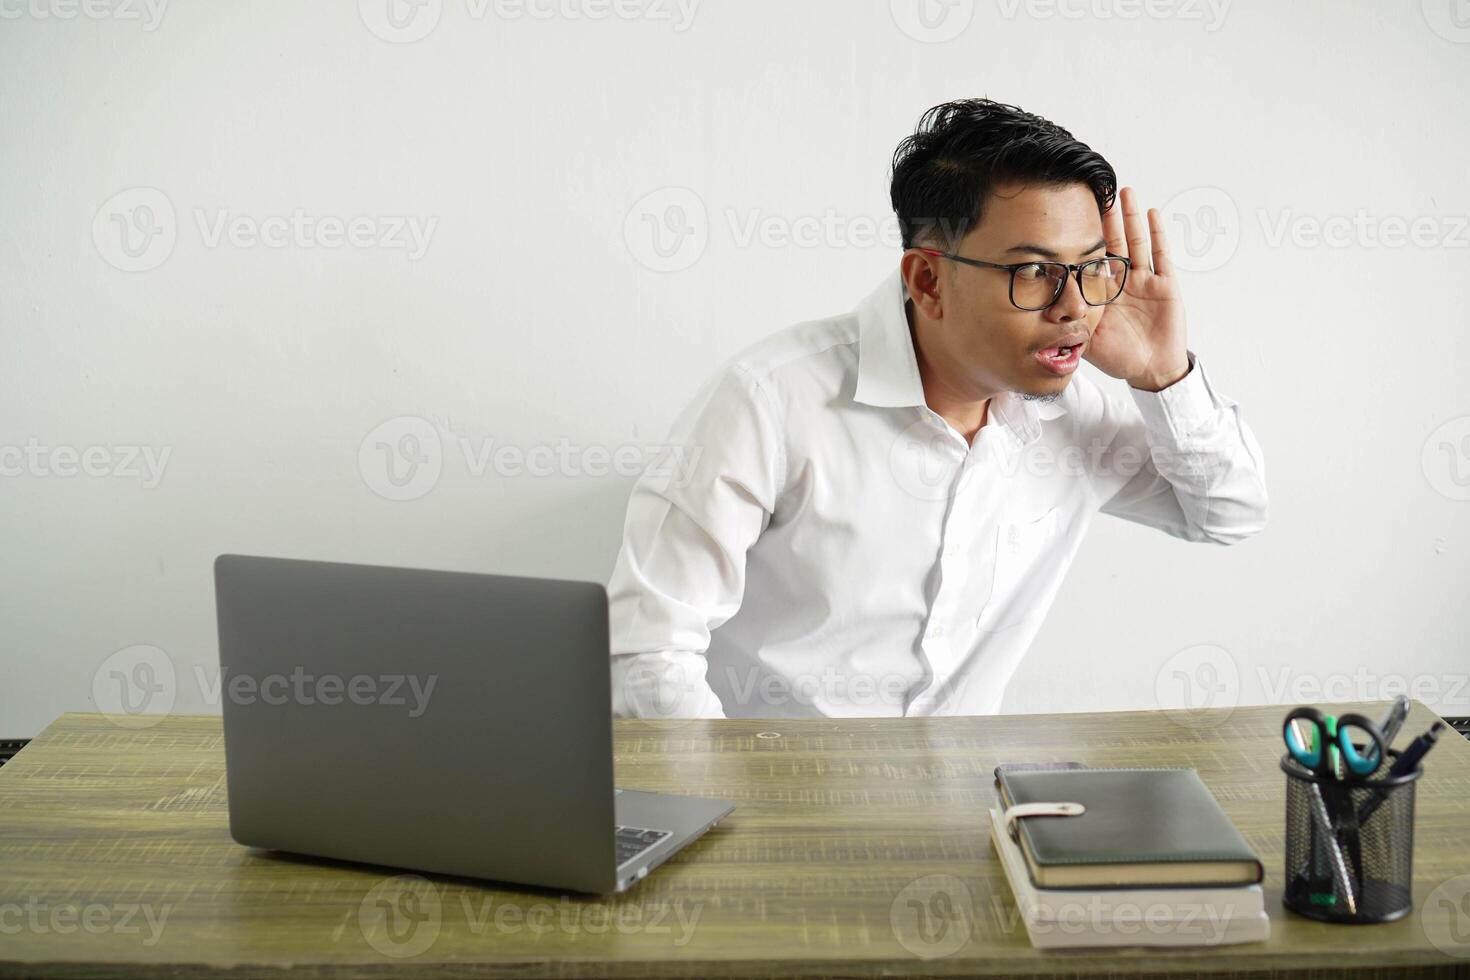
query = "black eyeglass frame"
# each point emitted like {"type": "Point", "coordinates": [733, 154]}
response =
{"type": "Point", "coordinates": [1074, 271]}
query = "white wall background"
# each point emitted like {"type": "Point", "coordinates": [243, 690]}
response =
{"type": "Point", "coordinates": [533, 315]}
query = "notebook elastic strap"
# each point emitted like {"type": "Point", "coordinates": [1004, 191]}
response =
{"type": "Point", "coordinates": [1014, 813]}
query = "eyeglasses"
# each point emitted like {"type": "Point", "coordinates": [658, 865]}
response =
{"type": "Point", "coordinates": [1036, 285]}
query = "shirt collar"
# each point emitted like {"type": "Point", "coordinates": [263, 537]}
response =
{"type": "Point", "coordinates": [888, 370]}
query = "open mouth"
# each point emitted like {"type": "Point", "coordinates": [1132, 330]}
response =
{"type": "Point", "coordinates": [1063, 359]}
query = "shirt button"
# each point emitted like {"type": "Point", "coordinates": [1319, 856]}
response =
{"type": "Point", "coordinates": [936, 631]}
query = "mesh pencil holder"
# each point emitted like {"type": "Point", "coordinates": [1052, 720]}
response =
{"type": "Point", "coordinates": [1349, 845]}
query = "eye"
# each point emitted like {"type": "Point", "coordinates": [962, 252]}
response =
{"type": "Point", "coordinates": [1031, 273]}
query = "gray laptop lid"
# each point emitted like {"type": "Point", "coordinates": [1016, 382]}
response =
{"type": "Point", "coordinates": [441, 721]}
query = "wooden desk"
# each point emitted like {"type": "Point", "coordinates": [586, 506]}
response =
{"type": "Point", "coordinates": [115, 860]}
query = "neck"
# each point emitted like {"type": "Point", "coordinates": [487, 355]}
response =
{"type": "Point", "coordinates": [952, 398]}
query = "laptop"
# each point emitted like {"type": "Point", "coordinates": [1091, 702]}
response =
{"type": "Point", "coordinates": [436, 721]}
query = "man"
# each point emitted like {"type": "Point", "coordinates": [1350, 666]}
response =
{"type": "Point", "coordinates": [883, 504]}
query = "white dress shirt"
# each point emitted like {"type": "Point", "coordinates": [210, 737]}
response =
{"type": "Point", "coordinates": [825, 544]}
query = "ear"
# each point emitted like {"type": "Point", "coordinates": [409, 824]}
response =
{"type": "Point", "coordinates": [922, 277]}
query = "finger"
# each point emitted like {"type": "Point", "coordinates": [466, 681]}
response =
{"type": "Point", "coordinates": [1162, 265]}
{"type": "Point", "coordinates": [1135, 230]}
{"type": "Point", "coordinates": [1113, 228]}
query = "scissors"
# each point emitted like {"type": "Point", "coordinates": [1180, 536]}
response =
{"type": "Point", "coordinates": [1329, 745]}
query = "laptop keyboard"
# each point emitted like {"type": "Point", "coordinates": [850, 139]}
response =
{"type": "Point", "coordinates": [633, 841]}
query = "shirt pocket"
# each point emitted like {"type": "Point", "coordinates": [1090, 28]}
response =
{"type": "Point", "coordinates": [1020, 545]}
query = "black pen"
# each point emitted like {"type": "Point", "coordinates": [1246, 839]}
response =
{"type": "Point", "coordinates": [1408, 759]}
{"type": "Point", "coordinates": [1407, 762]}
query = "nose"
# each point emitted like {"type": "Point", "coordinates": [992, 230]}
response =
{"type": "Point", "coordinates": [1069, 305]}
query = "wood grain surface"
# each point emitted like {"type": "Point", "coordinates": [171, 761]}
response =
{"type": "Point", "coordinates": [857, 848]}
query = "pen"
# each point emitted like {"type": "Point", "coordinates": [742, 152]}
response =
{"type": "Point", "coordinates": [1408, 760]}
{"type": "Point", "coordinates": [1342, 880]}
{"type": "Point", "coordinates": [1394, 719]}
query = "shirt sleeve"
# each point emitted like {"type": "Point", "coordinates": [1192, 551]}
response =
{"type": "Point", "coordinates": [1183, 460]}
{"type": "Point", "coordinates": [680, 573]}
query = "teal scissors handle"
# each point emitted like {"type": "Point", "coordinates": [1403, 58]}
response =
{"type": "Point", "coordinates": [1325, 733]}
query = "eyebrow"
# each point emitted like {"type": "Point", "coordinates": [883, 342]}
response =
{"type": "Point", "coordinates": [1049, 254]}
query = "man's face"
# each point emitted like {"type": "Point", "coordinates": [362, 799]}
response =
{"type": "Point", "coordinates": [987, 341]}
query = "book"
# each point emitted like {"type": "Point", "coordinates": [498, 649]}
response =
{"type": "Point", "coordinates": [1139, 828]}
{"type": "Point", "coordinates": [1056, 919]}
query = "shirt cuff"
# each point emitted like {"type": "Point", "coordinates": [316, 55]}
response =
{"type": "Point", "coordinates": [1181, 407]}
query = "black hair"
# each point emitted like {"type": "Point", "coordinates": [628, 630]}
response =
{"type": "Point", "coordinates": [961, 150]}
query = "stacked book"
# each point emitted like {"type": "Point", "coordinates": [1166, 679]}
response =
{"type": "Point", "coordinates": [1146, 858]}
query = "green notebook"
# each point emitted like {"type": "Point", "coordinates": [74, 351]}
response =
{"type": "Point", "coordinates": [1141, 828]}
